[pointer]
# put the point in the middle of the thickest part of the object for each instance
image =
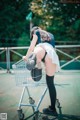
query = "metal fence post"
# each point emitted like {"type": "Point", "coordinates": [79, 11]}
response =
{"type": "Point", "coordinates": [8, 59]}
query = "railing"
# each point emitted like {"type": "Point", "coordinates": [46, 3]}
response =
{"type": "Point", "coordinates": [59, 49]}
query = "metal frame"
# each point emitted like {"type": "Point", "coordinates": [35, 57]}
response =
{"type": "Point", "coordinates": [70, 56]}
{"type": "Point", "coordinates": [23, 79]}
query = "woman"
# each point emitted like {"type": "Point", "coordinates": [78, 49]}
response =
{"type": "Point", "coordinates": [43, 46]}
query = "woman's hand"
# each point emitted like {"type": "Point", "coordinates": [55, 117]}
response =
{"type": "Point", "coordinates": [24, 58]}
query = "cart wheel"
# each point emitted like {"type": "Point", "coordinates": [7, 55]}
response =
{"type": "Point", "coordinates": [21, 117]}
{"type": "Point", "coordinates": [31, 101]}
{"type": "Point", "coordinates": [20, 114]}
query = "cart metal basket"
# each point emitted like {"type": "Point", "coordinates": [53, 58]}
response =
{"type": "Point", "coordinates": [23, 75]}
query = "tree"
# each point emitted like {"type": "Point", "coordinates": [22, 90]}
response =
{"type": "Point", "coordinates": [62, 19]}
{"type": "Point", "coordinates": [13, 21]}
{"type": "Point", "coordinates": [58, 18]}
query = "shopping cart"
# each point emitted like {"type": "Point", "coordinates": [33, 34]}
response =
{"type": "Point", "coordinates": [23, 79]}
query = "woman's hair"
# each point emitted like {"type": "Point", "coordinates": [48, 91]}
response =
{"type": "Point", "coordinates": [33, 30]}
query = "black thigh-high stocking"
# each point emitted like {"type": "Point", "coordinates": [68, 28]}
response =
{"type": "Point", "coordinates": [52, 90]}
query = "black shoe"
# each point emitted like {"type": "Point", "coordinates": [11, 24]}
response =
{"type": "Point", "coordinates": [50, 111]}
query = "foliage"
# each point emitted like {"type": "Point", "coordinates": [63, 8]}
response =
{"type": "Point", "coordinates": [62, 19]}
{"type": "Point", "coordinates": [13, 21]}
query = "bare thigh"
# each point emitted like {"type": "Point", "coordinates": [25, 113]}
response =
{"type": "Point", "coordinates": [40, 52]}
{"type": "Point", "coordinates": [49, 66]}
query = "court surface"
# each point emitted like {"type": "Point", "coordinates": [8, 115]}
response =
{"type": "Point", "coordinates": [68, 92]}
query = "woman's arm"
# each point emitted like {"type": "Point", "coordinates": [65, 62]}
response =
{"type": "Point", "coordinates": [31, 48]}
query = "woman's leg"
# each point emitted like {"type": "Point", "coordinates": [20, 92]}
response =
{"type": "Point", "coordinates": [50, 72]}
{"type": "Point", "coordinates": [40, 52]}
{"type": "Point", "coordinates": [49, 66]}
